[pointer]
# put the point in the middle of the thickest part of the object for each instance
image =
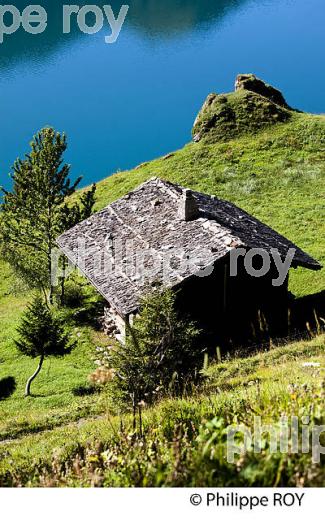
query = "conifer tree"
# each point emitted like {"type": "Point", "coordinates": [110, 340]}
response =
{"type": "Point", "coordinates": [32, 214]}
{"type": "Point", "coordinates": [41, 334]}
{"type": "Point", "coordinates": [160, 350]}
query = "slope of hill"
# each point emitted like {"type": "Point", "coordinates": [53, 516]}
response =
{"type": "Point", "coordinates": [276, 172]}
{"type": "Point", "coordinates": [183, 442]}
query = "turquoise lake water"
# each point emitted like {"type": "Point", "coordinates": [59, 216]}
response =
{"type": "Point", "coordinates": [129, 102]}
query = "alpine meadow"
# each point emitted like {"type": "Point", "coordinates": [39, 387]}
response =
{"type": "Point", "coordinates": [155, 411]}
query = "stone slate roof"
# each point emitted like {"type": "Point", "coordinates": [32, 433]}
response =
{"type": "Point", "coordinates": [147, 220]}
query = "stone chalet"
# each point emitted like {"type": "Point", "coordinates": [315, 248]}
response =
{"type": "Point", "coordinates": [163, 235]}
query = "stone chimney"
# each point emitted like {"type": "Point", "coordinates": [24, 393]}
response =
{"type": "Point", "coordinates": [188, 208]}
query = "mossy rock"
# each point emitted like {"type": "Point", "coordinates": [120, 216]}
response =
{"type": "Point", "coordinates": [253, 84]}
{"type": "Point", "coordinates": [226, 116]}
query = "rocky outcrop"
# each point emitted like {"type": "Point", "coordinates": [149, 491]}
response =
{"type": "Point", "coordinates": [251, 83]}
{"type": "Point", "coordinates": [253, 106]}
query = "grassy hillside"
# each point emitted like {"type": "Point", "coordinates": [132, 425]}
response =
{"type": "Point", "coordinates": [277, 174]}
{"type": "Point", "coordinates": [54, 403]}
{"type": "Point", "coordinates": [183, 442]}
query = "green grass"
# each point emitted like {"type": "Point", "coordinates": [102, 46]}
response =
{"type": "Point", "coordinates": [278, 361]}
{"type": "Point", "coordinates": [52, 403]}
{"type": "Point", "coordinates": [278, 176]}
{"type": "Point", "coordinates": [183, 440]}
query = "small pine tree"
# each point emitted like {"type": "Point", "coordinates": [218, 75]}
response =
{"type": "Point", "coordinates": [41, 335]}
{"type": "Point", "coordinates": [160, 352]}
{"type": "Point", "coordinates": [35, 212]}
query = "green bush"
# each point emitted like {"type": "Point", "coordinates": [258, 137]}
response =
{"type": "Point", "coordinates": [74, 294]}
{"type": "Point", "coordinates": [161, 354]}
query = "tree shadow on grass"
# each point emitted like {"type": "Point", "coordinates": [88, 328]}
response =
{"type": "Point", "coordinates": [91, 314]}
{"type": "Point", "coordinates": [7, 387]}
{"type": "Point", "coordinates": [34, 396]}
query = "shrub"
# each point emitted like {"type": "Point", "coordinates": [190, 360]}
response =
{"type": "Point", "coordinates": [74, 295]}
{"type": "Point", "coordinates": [160, 355]}
{"type": "Point", "coordinates": [102, 375]}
